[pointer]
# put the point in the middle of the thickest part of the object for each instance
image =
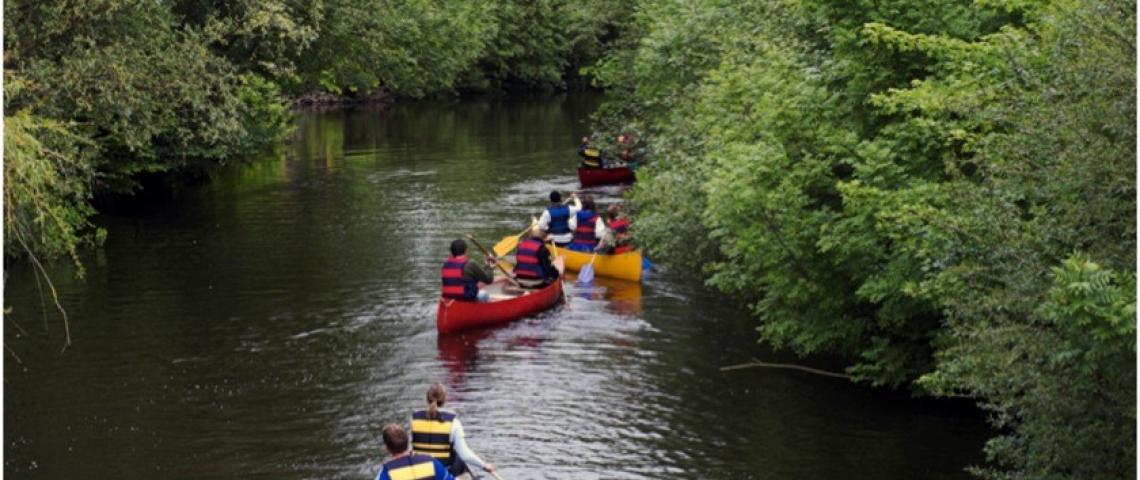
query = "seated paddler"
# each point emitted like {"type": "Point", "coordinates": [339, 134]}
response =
{"type": "Point", "coordinates": [438, 433]}
{"type": "Point", "coordinates": [534, 267]}
{"type": "Point", "coordinates": [406, 465]}
{"type": "Point", "coordinates": [591, 157]}
{"type": "Point", "coordinates": [560, 220]}
{"type": "Point", "coordinates": [589, 227]}
{"type": "Point", "coordinates": [463, 277]}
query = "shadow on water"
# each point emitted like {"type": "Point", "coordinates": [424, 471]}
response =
{"type": "Point", "coordinates": [264, 323]}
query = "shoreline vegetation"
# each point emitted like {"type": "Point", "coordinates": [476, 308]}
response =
{"type": "Point", "coordinates": [941, 192]}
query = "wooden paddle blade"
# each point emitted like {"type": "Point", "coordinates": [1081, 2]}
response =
{"type": "Point", "coordinates": [506, 245]}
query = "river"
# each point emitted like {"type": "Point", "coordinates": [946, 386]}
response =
{"type": "Point", "coordinates": [263, 324]}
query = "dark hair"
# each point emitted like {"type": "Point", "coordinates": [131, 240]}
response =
{"type": "Point", "coordinates": [588, 203]}
{"type": "Point", "coordinates": [436, 397]}
{"type": "Point", "coordinates": [395, 438]}
{"type": "Point", "coordinates": [458, 247]}
{"type": "Point", "coordinates": [612, 212]}
{"type": "Point", "coordinates": [555, 197]}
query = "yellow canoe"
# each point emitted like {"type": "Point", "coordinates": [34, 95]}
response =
{"type": "Point", "coordinates": [623, 266]}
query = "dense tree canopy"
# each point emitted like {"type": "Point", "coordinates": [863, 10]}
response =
{"type": "Point", "coordinates": [103, 91]}
{"type": "Point", "coordinates": [943, 191]}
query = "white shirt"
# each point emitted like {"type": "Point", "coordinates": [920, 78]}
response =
{"type": "Point", "coordinates": [544, 222]}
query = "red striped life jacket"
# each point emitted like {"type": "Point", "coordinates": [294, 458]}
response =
{"type": "Point", "coordinates": [620, 226]}
{"type": "Point", "coordinates": [454, 286]}
{"type": "Point", "coordinates": [526, 260]}
{"type": "Point", "coordinates": [585, 235]}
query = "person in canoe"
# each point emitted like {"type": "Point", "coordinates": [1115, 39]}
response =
{"type": "Point", "coordinates": [462, 277]}
{"type": "Point", "coordinates": [617, 238]}
{"type": "Point", "coordinates": [534, 267]}
{"type": "Point", "coordinates": [406, 465]}
{"type": "Point", "coordinates": [623, 146]}
{"type": "Point", "coordinates": [589, 227]}
{"type": "Point", "coordinates": [438, 433]}
{"type": "Point", "coordinates": [591, 157]}
{"type": "Point", "coordinates": [560, 220]}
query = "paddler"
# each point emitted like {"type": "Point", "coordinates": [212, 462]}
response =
{"type": "Point", "coordinates": [438, 433]}
{"type": "Point", "coordinates": [589, 227]}
{"type": "Point", "coordinates": [462, 277]}
{"type": "Point", "coordinates": [533, 267]}
{"type": "Point", "coordinates": [406, 465]}
{"type": "Point", "coordinates": [590, 156]}
{"type": "Point", "coordinates": [560, 220]}
{"type": "Point", "coordinates": [618, 238]}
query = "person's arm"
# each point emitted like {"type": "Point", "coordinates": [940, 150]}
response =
{"type": "Point", "coordinates": [477, 272]}
{"type": "Point", "coordinates": [441, 472]}
{"type": "Point", "coordinates": [461, 449]}
{"type": "Point", "coordinates": [547, 265]}
{"type": "Point", "coordinates": [599, 228]}
{"type": "Point", "coordinates": [544, 220]}
{"type": "Point", "coordinates": [576, 206]}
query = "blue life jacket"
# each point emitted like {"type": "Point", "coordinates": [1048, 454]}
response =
{"type": "Point", "coordinates": [559, 219]}
{"type": "Point", "coordinates": [411, 467]}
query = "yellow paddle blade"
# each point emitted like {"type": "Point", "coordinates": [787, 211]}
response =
{"type": "Point", "coordinates": [505, 245]}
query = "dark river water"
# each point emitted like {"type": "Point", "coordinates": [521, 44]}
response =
{"type": "Point", "coordinates": [265, 323]}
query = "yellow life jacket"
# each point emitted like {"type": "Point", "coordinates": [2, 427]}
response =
{"type": "Point", "coordinates": [433, 436]}
{"type": "Point", "coordinates": [411, 467]}
{"type": "Point", "coordinates": [591, 153]}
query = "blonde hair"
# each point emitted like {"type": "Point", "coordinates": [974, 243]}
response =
{"type": "Point", "coordinates": [436, 397]}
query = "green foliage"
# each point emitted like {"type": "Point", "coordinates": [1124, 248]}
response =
{"type": "Point", "coordinates": [47, 182]}
{"type": "Point", "coordinates": [897, 182]}
{"type": "Point", "coordinates": [412, 48]}
{"type": "Point", "coordinates": [539, 44]}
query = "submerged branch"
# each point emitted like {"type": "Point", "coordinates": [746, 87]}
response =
{"type": "Point", "coordinates": [756, 364]}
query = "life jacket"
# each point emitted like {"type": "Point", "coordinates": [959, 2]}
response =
{"type": "Point", "coordinates": [587, 152]}
{"type": "Point", "coordinates": [454, 286]}
{"type": "Point", "coordinates": [559, 219]}
{"type": "Point", "coordinates": [585, 235]}
{"type": "Point", "coordinates": [432, 436]}
{"type": "Point", "coordinates": [526, 260]}
{"type": "Point", "coordinates": [619, 226]}
{"type": "Point", "coordinates": [411, 467]}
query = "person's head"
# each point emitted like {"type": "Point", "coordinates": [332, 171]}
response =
{"type": "Point", "coordinates": [588, 203]}
{"type": "Point", "coordinates": [585, 140]}
{"type": "Point", "coordinates": [622, 138]}
{"type": "Point", "coordinates": [612, 212]}
{"type": "Point", "coordinates": [436, 397]}
{"type": "Point", "coordinates": [458, 247]}
{"type": "Point", "coordinates": [555, 197]}
{"type": "Point", "coordinates": [395, 439]}
{"type": "Point", "coordinates": [537, 232]}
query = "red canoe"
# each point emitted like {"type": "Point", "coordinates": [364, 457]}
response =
{"type": "Point", "coordinates": [591, 177]}
{"type": "Point", "coordinates": [456, 315]}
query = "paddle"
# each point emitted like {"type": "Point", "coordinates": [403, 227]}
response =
{"type": "Point", "coordinates": [586, 274]}
{"type": "Point", "coordinates": [497, 264]}
{"type": "Point", "coordinates": [510, 243]}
